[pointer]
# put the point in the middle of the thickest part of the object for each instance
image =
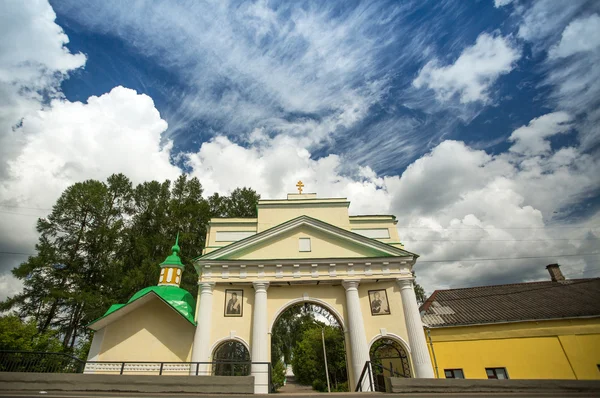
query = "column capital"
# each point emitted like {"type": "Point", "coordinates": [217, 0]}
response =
{"type": "Point", "coordinates": [260, 286]}
{"type": "Point", "coordinates": [350, 284]}
{"type": "Point", "coordinates": [206, 287]}
{"type": "Point", "coordinates": [405, 283]}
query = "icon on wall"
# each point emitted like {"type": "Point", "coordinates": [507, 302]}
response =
{"type": "Point", "coordinates": [379, 302]}
{"type": "Point", "coordinates": [234, 302]}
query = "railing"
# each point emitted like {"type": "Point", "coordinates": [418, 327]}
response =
{"type": "Point", "coordinates": [39, 362]}
{"type": "Point", "coordinates": [376, 379]}
{"type": "Point", "coordinates": [54, 362]}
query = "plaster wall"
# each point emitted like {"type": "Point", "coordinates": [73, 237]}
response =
{"type": "Point", "coordinates": [153, 332]}
{"type": "Point", "coordinates": [286, 246]}
{"type": "Point", "coordinates": [332, 213]}
{"type": "Point", "coordinates": [562, 349]}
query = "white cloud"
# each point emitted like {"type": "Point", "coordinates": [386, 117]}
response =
{"type": "Point", "coordinates": [473, 73]}
{"type": "Point", "coordinates": [581, 35]}
{"type": "Point", "coordinates": [33, 62]}
{"type": "Point", "coordinates": [531, 139]}
{"type": "Point", "coordinates": [68, 142]}
{"type": "Point", "coordinates": [9, 285]}
{"type": "Point", "coordinates": [545, 19]}
{"type": "Point", "coordinates": [502, 3]}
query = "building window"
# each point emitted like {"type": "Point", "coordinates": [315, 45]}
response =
{"type": "Point", "coordinates": [496, 373]}
{"type": "Point", "coordinates": [304, 244]}
{"type": "Point", "coordinates": [454, 374]}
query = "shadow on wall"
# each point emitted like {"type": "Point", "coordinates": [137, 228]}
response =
{"type": "Point", "coordinates": [153, 332]}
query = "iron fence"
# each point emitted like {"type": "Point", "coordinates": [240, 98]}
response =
{"type": "Point", "coordinates": [54, 362]}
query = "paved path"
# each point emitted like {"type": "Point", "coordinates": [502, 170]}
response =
{"type": "Point", "coordinates": [293, 387]}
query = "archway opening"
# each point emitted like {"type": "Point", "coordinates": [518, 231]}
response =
{"type": "Point", "coordinates": [388, 358]}
{"type": "Point", "coordinates": [231, 358]}
{"type": "Point", "coordinates": [307, 345]}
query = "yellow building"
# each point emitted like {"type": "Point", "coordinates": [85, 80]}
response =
{"type": "Point", "coordinates": [299, 249]}
{"type": "Point", "coordinates": [537, 330]}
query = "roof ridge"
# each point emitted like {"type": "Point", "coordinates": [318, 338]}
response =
{"type": "Point", "coordinates": [509, 284]}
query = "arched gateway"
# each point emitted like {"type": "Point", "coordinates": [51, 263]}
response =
{"type": "Point", "coordinates": [299, 249]}
{"type": "Point", "coordinates": [307, 249]}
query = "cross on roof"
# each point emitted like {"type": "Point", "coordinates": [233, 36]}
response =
{"type": "Point", "coordinates": [300, 185]}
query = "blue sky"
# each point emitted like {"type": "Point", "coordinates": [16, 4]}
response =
{"type": "Point", "coordinates": [475, 122]}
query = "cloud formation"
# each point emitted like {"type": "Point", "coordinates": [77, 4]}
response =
{"type": "Point", "coordinates": [473, 73]}
{"type": "Point", "coordinates": [33, 63]}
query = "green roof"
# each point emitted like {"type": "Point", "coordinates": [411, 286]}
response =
{"type": "Point", "coordinates": [179, 299]}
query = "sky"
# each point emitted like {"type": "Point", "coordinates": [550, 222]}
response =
{"type": "Point", "coordinates": [476, 123]}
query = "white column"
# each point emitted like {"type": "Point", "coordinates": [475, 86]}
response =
{"type": "Point", "coordinates": [356, 328]}
{"type": "Point", "coordinates": [414, 327]}
{"type": "Point", "coordinates": [260, 338]}
{"type": "Point", "coordinates": [201, 347]}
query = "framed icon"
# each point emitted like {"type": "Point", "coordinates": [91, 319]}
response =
{"type": "Point", "coordinates": [234, 302]}
{"type": "Point", "coordinates": [378, 301]}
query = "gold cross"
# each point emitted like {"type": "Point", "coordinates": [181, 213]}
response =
{"type": "Point", "coordinates": [300, 186]}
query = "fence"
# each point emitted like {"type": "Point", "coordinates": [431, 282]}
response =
{"type": "Point", "coordinates": [53, 362]}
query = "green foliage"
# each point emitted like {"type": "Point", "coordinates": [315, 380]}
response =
{"type": "Point", "coordinates": [308, 360]}
{"type": "Point", "coordinates": [23, 336]}
{"type": "Point", "coordinates": [278, 374]}
{"type": "Point", "coordinates": [419, 292]}
{"type": "Point", "coordinates": [103, 241]}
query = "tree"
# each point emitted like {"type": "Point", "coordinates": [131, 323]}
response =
{"type": "Point", "coordinates": [103, 241]}
{"type": "Point", "coordinates": [23, 336]}
{"type": "Point", "coordinates": [419, 292]}
{"type": "Point", "coordinates": [308, 361]}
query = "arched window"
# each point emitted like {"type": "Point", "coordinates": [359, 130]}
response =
{"type": "Point", "coordinates": [231, 358]}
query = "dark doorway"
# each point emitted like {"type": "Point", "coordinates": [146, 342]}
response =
{"type": "Point", "coordinates": [231, 358]}
{"type": "Point", "coordinates": [388, 359]}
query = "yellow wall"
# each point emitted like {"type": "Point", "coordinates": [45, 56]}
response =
{"type": "Point", "coordinates": [323, 245]}
{"type": "Point", "coordinates": [153, 332]}
{"type": "Point", "coordinates": [562, 349]}
{"type": "Point", "coordinates": [332, 211]}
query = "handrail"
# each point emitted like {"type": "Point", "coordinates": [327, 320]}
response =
{"type": "Point", "coordinates": [369, 368]}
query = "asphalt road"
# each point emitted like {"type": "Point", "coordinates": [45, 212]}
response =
{"type": "Point", "coordinates": [9, 394]}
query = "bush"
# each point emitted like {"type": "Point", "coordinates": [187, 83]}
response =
{"type": "Point", "coordinates": [341, 387]}
{"type": "Point", "coordinates": [278, 375]}
{"type": "Point", "coordinates": [319, 385]}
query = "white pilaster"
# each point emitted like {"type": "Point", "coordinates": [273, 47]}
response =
{"type": "Point", "coordinates": [201, 347]}
{"type": "Point", "coordinates": [414, 327]}
{"type": "Point", "coordinates": [260, 338]}
{"type": "Point", "coordinates": [356, 328]}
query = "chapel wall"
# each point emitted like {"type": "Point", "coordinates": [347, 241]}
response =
{"type": "Point", "coordinates": [153, 332]}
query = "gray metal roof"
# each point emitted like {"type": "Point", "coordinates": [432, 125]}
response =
{"type": "Point", "coordinates": [515, 302]}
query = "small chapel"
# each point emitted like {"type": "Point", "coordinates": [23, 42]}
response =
{"type": "Point", "coordinates": [299, 249]}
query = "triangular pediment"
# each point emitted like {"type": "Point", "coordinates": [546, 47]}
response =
{"type": "Point", "coordinates": [326, 241]}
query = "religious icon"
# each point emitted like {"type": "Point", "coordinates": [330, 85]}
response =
{"type": "Point", "coordinates": [233, 302]}
{"type": "Point", "coordinates": [379, 302]}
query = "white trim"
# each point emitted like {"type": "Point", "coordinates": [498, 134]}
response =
{"type": "Point", "coordinates": [392, 336]}
{"type": "Point", "coordinates": [224, 339]}
{"type": "Point", "coordinates": [303, 299]}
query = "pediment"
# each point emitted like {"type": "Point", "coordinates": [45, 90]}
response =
{"type": "Point", "coordinates": [326, 241]}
